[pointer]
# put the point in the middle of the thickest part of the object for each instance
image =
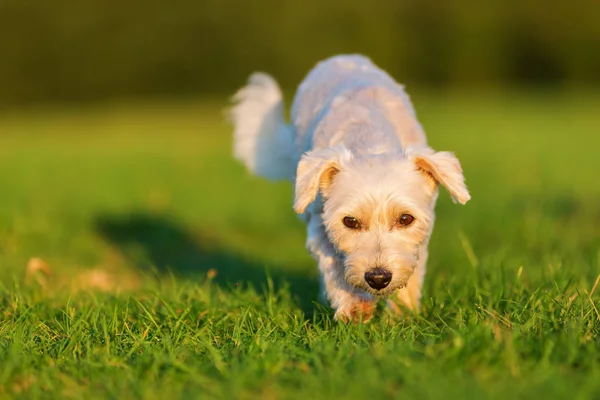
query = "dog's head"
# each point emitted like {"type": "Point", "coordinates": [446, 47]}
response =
{"type": "Point", "coordinates": [378, 210]}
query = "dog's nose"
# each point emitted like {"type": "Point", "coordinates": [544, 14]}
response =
{"type": "Point", "coordinates": [378, 278]}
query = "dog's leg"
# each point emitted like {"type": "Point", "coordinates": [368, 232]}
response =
{"type": "Point", "coordinates": [409, 298]}
{"type": "Point", "coordinates": [348, 303]}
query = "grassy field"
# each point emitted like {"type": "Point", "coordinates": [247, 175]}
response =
{"type": "Point", "coordinates": [138, 260]}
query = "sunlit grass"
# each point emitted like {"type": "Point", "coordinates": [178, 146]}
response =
{"type": "Point", "coordinates": [175, 274]}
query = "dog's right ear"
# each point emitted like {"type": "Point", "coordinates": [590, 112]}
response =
{"type": "Point", "coordinates": [316, 170]}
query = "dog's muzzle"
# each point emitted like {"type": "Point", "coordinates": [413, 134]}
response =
{"type": "Point", "coordinates": [378, 278]}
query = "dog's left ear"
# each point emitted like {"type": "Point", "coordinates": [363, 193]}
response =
{"type": "Point", "coordinates": [445, 169]}
{"type": "Point", "coordinates": [315, 172]}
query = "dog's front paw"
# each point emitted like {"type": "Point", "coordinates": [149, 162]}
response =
{"type": "Point", "coordinates": [356, 312]}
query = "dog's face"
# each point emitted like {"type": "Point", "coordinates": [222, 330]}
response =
{"type": "Point", "coordinates": [378, 210]}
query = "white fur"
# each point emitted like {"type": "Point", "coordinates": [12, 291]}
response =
{"type": "Point", "coordinates": [354, 149]}
{"type": "Point", "coordinates": [262, 139]}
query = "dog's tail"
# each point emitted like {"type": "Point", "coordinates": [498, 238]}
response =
{"type": "Point", "coordinates": [261, 138]}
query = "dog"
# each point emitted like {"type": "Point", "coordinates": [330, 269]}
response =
{"type": "Point", "coordinates": [366, 182]}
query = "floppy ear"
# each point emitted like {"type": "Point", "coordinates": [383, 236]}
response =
{"type": "Point", "coordinates": [445, 169]}
{"type": "Point", "coordinates": [316, 170]}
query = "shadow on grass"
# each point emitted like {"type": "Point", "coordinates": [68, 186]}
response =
{"type": "Point", "coordinates": [159, 242]}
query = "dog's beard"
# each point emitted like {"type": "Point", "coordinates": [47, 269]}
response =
{"type": "Point", "coordinates": [355, 277]}
{"type": "Point", "coordinates": [402, 267]}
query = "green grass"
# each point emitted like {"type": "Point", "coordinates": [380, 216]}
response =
{"type": "Point", "coordinates": [146, 202]}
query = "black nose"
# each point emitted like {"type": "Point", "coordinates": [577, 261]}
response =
{"type": "Point", "coordinates": [378, 278]}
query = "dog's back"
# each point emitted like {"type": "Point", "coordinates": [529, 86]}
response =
{"type": "Point", "coordinates": [350, 94]}
{"type": "Point", "coordinates": [342, 99]}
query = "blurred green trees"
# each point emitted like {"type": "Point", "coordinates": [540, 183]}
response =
{"type": "Point", "coordinates": [65, 50]}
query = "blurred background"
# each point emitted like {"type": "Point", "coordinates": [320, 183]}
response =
{"type": "Point", "coordinates": [115, 157]}
{"type": "Point", "coordinates": [68, 50]}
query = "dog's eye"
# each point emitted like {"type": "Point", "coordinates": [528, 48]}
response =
{"type": "Point", "coordinates": [351, 222]}
{"type": "Point", "coordinates": [406, 219]}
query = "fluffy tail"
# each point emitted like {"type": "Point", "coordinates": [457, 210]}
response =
{"type": "Point", "coordinates": [261, 138]}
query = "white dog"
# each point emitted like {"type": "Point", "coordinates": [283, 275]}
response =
{"type": "Point", "coordinates": [366, 182]}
